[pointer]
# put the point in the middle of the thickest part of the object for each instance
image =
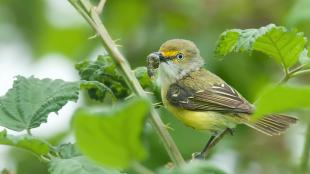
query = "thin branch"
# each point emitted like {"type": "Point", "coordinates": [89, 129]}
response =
{"type": "Point", "coordinates": [301, 72]}
{"type": "Point", "coordinates": [100, 6]}
{"type": "Point", "coordinates": [89, 12]}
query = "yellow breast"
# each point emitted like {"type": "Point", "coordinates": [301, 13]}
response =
{"type": "Point", "coordinates": [203, 121]}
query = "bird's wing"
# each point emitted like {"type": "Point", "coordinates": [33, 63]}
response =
{"type": "Point", "coordinates": [218, 97]}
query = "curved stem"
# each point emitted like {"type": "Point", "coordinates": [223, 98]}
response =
{"type": "Point", "coordinates": [88, 11]}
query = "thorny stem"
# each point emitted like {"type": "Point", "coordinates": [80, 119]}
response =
{"type": "Point", "coordinates": [100, 6]}
{"type": "Point", "coordinates": [88, 11]}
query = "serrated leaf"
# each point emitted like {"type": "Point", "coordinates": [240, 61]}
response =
{"type": "Point", "coordinates": [112, 136]}
{"type": "Point", "coordinates": [285, 46]}
{"type": "Point", "coordinates": [281, 99]}
{"type": "Point", "coordinates": [77, 165]}
{"type": "Point", "coordinates": [27, 142]}
{"type": "Point", "coordinates": [29, 102]}
{"type": "Point", "coordinates": [103, 71]}
{"type": "Point", "coordinates": [195, 167]}
{"type": "Point", "coordinates": [68, 150]}
{"type": "Point", "coordinates": [237, 40]}
{"type": "Point", "coordinates": [282, 45]}
{"type": "Point", "coordinates": [96, 90]}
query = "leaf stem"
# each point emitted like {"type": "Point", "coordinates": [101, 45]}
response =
{"type": "Point", "coordinates": [29, 132]}
{"type": "Point", "coordinates": [88, 11]}
{"type": "Point", "coordinates": [141, 169]}
{"type": "Point", "coordinates": [306, 152]}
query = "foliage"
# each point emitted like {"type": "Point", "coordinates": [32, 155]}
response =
{"type": "Point", "coordinates": [27, 142]}
{"type": "Point", "coordinates": [195, 167]}
{"type": "Point", "coordinates": [29, 102]}
{"type": "Point", "coordinates": [283, 45]}
{"type": "Point", "coordinates": [117, 132]}
{"type": "Point", "coordinates": [142, 26]}
{"type": "Point", "coordinates": [281, 99]}
{"type": "Point", "coordinates": [77, 165]}
{"type": "Point", "coordinates": [101, 77]}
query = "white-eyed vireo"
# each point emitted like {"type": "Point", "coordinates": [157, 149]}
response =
{"type": "Point", "coordinates": [202, 100]}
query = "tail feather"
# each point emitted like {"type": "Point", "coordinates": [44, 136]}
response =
{"type": "Point", "coordinates": [274, 124]}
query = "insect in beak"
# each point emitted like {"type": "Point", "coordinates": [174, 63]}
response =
{"type": "Point", "coordinates": [153, 61]}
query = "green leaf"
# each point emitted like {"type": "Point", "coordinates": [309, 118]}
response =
{"type": "Point", "coordinates": [237, 40]}
{"type": "Point", "coordinates": [67, 151]}
{"type": "Point", "coordinates": [29, 102]}
{"type": "Point", "coordinates": [27, 142]}
{"type": "Point", "coordinates": [281, 99]}
{"type": "Point", "coordinates": [304, 58]}
{"type": "Point", "coordinates": [144, 79]}
{"type": "Point", "coordinates": [195, 167]}
{"type": "Point", "coordinates": [77, 165]}
{"type": "Point", "coordinates": [112, 136]}
{"type": "Point", "coordinates": [283, 45]}
{"type": "Point", "coordinates": [103, 71]}
{"type": "Point", "coordinates": [96, 90]}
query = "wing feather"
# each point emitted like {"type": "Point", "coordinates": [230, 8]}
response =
{"type": "Point", "coordinates": [220, 97]}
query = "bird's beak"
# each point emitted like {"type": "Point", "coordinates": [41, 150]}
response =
{"type": "Point", "coordinates": [160, 56]}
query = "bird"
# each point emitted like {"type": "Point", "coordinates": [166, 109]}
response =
{"type": "Point", "coordinates": [202, 100]}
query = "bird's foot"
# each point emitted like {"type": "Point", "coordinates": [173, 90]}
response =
{"type": "Point", "coordinates": [198, 156]}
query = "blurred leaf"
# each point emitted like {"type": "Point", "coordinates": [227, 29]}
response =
{"type": "Point", "coordinates": [27, 142]}
{"type": "Point", "coordinates": [299, 13]}
{"type": "Point", "coordinates": [74, 45]}
{"type": "Point", "coordinates": [304, 58]}
{"type": "Point", "coordinates": [68, 151]}
{"type": "Point", "coordinates": [77, 165]}
{"type": "Point", "coordinates": [282, 98]}
{"type": "Point", "coordinates": [6, 171]}
{"type": "Point", "coordinates": [104, 71]}
{"type": "Point", "coordinates": [194, 167]}
{"type": "Point", "coordinates": [96, 90]}
{"type": "Point", "coordinates": [29, 102]}
{"type": "Point", "coordinates": [144, 79]}
{"type": "Point", "coordinates": [285, 46]}
{"type": "Point", "coordinates": [112, 136]}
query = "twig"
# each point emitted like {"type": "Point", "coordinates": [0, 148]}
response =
{"type": "Point", "coordinates": [89, 12]}
{"type": "Point", "coordinates": [100, 6]}
{"type": "Point", "coordinates": [305, 154]}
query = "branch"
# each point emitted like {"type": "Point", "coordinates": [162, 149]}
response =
{"type": "Point", "coordinates": [100, 6]}
{"type": "Point", "coordinates": [89, 12]}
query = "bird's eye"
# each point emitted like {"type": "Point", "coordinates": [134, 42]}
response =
{"type": "Point", "coordinates": [180, 56]}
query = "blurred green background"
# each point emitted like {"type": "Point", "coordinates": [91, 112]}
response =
{"type": "Point", "coordinates": [53, 27]}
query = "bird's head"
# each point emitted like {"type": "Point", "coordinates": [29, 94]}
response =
{"type": "Point", "coordinates": [179, 52]}
{"type": "Point", "coordinates": [178, 57]}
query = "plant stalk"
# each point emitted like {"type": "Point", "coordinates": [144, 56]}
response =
{"type": "Point", "coordinates": [88, 11]}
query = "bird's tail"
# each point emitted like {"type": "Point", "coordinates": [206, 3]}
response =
{"type": "Point", "coordinates": [273, 124]}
